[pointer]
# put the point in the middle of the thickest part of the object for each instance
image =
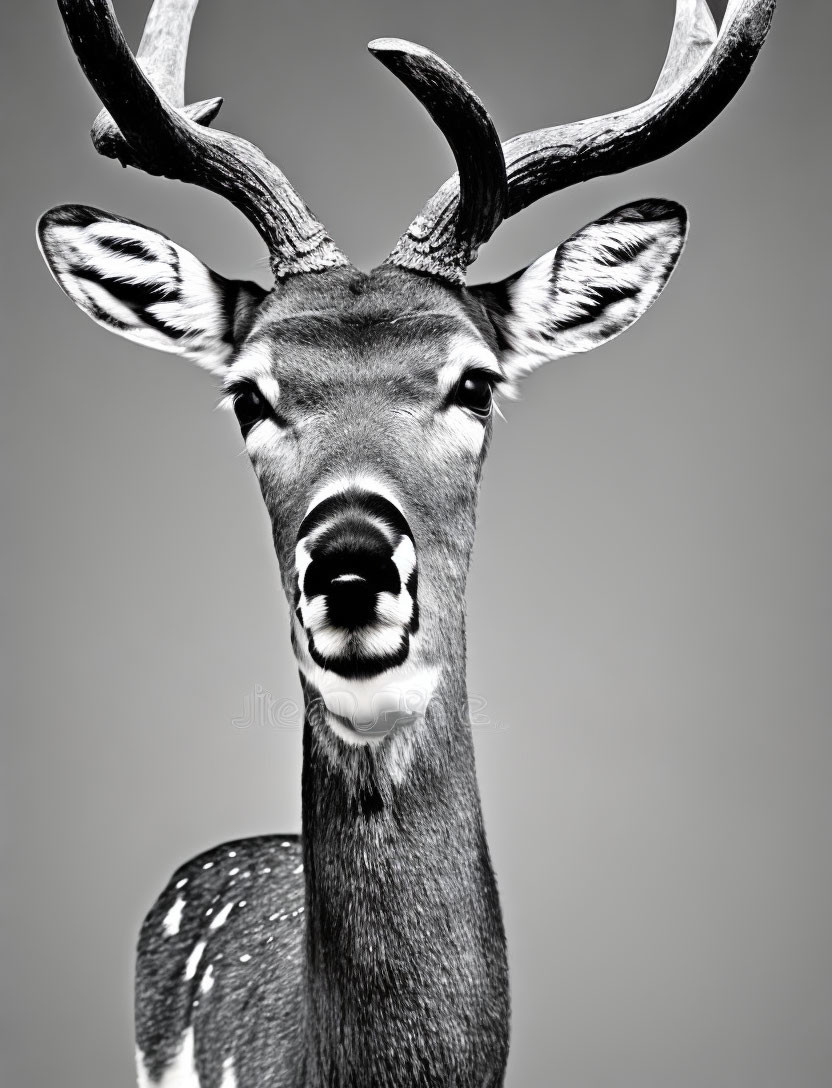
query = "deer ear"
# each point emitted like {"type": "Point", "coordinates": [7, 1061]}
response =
{"type": "Point", "coordinates": [589, 289]}
{"type": "Point", "coordinates": [142, 285]}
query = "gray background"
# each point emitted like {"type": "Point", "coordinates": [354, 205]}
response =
{"type": "Point", "coordinates": [650, 599]}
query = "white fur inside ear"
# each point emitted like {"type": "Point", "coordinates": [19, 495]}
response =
{"type": "Point", "coordinates": [140, 284]}
{"type": "Point", "coordinates": [592, 287]}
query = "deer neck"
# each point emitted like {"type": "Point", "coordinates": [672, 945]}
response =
{"type": "Point", "coordinates": [406, 965]}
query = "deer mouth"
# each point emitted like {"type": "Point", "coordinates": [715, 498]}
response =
{"type": "Point", "coordinates": [357, 584]}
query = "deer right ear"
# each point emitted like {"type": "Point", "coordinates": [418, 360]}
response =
{"type": "Point", "coordinates": [590, 289]}
{"type": "Point", "coordinates": [140, 284]}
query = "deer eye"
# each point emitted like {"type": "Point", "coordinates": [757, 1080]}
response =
{"type": "Point", "coordinates": [250, 406]}
{"type": "Point", "coordinates": [474, 392]}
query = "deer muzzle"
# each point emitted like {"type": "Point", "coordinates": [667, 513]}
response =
{"type": "Point", "coordinates": [356, 592]}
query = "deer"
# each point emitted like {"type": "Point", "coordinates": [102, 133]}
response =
{"type": "Point", "coordinates": [369, 949]}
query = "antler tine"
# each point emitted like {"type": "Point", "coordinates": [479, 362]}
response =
{"type": "Point", "coordinates": [470, 206]}
{"type": "Point", "coordinates": [548, 160]}
{"type": "Point", "coordinates": [163, 51]}
{"type": "Point", "coordinates": [693, 37]}
{"type": "Point", "coordinates": [162, 56]}
{"type": "Point", "coordinates": [163, 138]}
{"type": "Point", "coordinates": [702, 73]}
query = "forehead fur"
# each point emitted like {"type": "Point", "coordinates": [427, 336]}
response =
{"type": "Point", "coordinates": [337, 309]}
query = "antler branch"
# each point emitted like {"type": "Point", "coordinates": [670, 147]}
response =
{"type": "Point", "coordinates": [692, 39]}
{"type": "Point", "coordinates": [702, 73]}
{"type": "Point", "coordinates": [162, 56]}
{"type": "Point", "coordinates": [446, 239]}
{"type": "Point", "coordinates": [688, 99]}
{"type": "Point", "coordinates": [158, 135]}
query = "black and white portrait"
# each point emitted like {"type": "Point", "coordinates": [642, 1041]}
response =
{"type": "Point", "coordinates": [419, 619]}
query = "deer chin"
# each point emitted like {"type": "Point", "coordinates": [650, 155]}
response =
{"type": "Point", "coordinates": [366, 709]}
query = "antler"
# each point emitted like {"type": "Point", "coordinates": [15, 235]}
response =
{"type": "Point", "coordinates": [480, 190]}
{"type": "Point", "coordinates": [147, 126]}
{"type": "Point", "coordinates": [702, 73]}
{"type": "Point", "coordinates": [162, 56]}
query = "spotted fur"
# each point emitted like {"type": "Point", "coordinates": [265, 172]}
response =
{"type": "Point", "coordinates": [229, 976]}
{"type": "Point", "coordinates": [370, 953]}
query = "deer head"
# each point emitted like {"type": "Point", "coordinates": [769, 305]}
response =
{"type": "Point", "coordinates": [366, 400]}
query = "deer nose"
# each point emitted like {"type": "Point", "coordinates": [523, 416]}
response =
{"type": "Point", "coordinates": [356, 582]}
{"type": "Point", "coordinates": [352, 564]}
{"type": "Point", "coordinates": [351, 604]}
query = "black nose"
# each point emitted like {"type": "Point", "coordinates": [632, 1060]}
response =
{"type": "Point", "coordinates": [352, 563]}
{"type": "Point", "coordinates": [357, 587]}
{"type": "Point", "coordinates": [350, 602]}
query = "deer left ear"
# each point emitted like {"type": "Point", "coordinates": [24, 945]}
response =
{"type": "Point", "coordinates": [589, 289]}
{"type": "Point", "coordinates": [139, 284]}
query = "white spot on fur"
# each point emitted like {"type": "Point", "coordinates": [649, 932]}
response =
{"type": "Point", "coordinates": [222, 916]}
{"type": "Point", "coordinates": [193, 959]}
{"type": "Point", "coordinates": [173, 918]}
{"type": "Point", "coordinates": [303, 558]}
{"type": "Point", "coordinates": [207, 980]}
{"type": "Point", "coordinates": [229, 1079]}
{"type": "Point", "coordinates": [245, 957]}
{"type": "Point", "coordinates": [404, 556]}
